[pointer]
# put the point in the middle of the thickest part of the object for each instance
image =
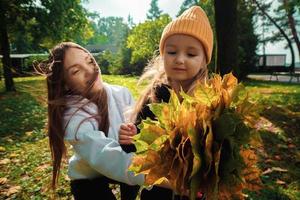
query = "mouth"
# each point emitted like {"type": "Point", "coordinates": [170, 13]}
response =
{"type": "Point", "coordinates": [179, 69]}
{"type": "Point", "coordinates": [93, 79]}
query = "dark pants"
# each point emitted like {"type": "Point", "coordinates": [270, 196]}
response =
{"type": "Point", "coordinates": [163, 193]}
{"type": "Point", "coordinates": [98, 188]}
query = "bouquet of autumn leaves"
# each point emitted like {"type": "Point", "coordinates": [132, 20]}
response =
{"type": "Point", "coordinates": [196, 144]}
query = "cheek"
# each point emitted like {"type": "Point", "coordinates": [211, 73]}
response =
{"type": "Point", "coordinates": [167, 62]}
{"type": "Point", "coordinates": [75, 83]}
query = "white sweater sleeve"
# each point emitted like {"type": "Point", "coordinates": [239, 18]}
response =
{"type": "Point", "coordinates": [103, 154]}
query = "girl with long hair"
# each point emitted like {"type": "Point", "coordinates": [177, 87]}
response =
{"type": "Point", "coordinates": [86, 113]}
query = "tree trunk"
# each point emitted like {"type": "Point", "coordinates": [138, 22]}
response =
{"type": "Point", "coordinates": [292, 66]}
{"type": "Point", "coordinates": [292, 25]}
{"type": "Point", "coordinates": [226, 34]}
{"type": "Point", "coordinates": [5, 51]}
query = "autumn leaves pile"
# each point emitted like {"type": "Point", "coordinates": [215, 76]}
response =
{"type": "Point", "coordinates": [197, 144]}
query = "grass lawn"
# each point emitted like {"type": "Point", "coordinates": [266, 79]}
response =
{"type": "Point", "coordinates": [25, 158]}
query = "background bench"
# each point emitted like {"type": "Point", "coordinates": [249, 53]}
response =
{"type": "Point", "coordinates": [275, 64]}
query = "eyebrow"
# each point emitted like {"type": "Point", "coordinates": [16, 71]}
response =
{"type": "Point", "coordinates": [189, 47]}
{"type": "Point", "coordinates": [76, 64]}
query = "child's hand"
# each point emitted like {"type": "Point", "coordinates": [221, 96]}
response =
{"type": "Point", "coordinates": [126, 132]}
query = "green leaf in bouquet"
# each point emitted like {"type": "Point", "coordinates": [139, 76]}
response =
{"type": "Point", "coordinates": [157, 109]}
{"type": "Point", "coordinates": [188, 100]}
{"type": "Point", "coordinates": [245, 107]}
{"type": "Point", "coordinates": [205, 94]}
{"type": "Point", "coordinates": [161, 181]}
{"type": "Point", "coordinates": [150, 131]}
{"type": "Point", "coordinates": [208, 147]}
{"type": "Point", "coordinates": [142, 163]}
{"type": "Point", "coordinates": [174, 101]}
{"type": "Point", "coordinates": [141, 146]}
{"type": "Point", "coordinates": [242, 133]}
{"type": "Point", "coordinates": [224, 126]}
{"type": "Point", "coordinates": [236, 93]}
{"type": "Point", "coordinates": [158, 143]}
{"type": "Point", "coordinates": [195, 143]}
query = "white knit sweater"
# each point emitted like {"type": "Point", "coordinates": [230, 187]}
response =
{"type": "Point", "coordinates": [94, 153]}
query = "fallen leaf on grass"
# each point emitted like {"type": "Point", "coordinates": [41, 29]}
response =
{"type": "Point", "coordinates": [277, 157]}
{"type": "Point", "coordinates": [15, 160]}
{"type": "Point", "coordinates": [268, 171]}
{"type": "Point", "coordinates": [13, 190]}
{"type": "Point", "coordinates": [28, 133]}
{"type": "Point", "coordinates": [42, 167]}
{"type": "Point", "coordinates": [2, 149]}
{"type": "Point", "coordinates": [274, 169]}
{"type": "Point", "coordinates": [4, 161]}
{"type": "Point", "coordinates": [280, 182]}
{"type": "Point", "coordinates": [3, 181]}
{"type": "Point", "coordinates": [13, 155]}
{"type": "Point", "coordinates": [269, 160]}
{"type": "Point", "coordinates": [278, 169]}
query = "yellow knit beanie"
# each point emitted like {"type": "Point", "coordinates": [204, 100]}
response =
{"type": "Point", "coordinates": [193, 22]}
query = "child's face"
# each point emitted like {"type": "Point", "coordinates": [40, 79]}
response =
{"type": "Point", "coordinates": [80, 71]}
{"type": "Point", "coordinates": [183, 57]}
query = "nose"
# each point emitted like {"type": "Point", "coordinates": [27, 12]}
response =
{"type": "Point", "coordinates": [179, 59]}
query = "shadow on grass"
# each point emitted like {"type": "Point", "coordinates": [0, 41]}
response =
{"type": "Point", "coordinates": [22, 117]}
{"type": "Point", "coordinates": [280, 154]}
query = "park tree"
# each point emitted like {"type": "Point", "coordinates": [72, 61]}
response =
{"type": "Point", "coordinates": [187, 4]}
{"type": "Point", "coordinates": [154, 12]}
{"type": "Point", "coordinates": [226, 33]}
{"type": "Point", "coordinates": [5, 47]}
{"type": "Point", "coordinates": [247, 39]}
{"type": "Point", "coordinates": [144, 40]}
{"type": "Point", "coordinates": [46, 23]}
{"type": "Point", "coordinates": [261, 7]}
{"type": "Point", "coordinates": [114, 29]}
{"type": "Point", "coordinates": [286, 14]}
{"type": "Point", "coordinates": [111, 33]}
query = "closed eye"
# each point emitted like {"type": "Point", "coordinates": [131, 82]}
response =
{"type": "Point", "coordinates": [191, 55]}
{"type": "Point", "coordinates": [74, 72]}
{"type": "Point", "coordinates": [171, 52]}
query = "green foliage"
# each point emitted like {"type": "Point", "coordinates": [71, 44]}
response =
{"type": "Point", "coordinates": [104, 60]}
{"type": "Point", "coordinates": [282, 10]}
{"type": "Point", "coordinates": [36, 27]}
{"type": "Point", "coordinates": [154, 12]}
{"type": "Point", "coordinates": [187, 4]}
{"type": "Point", "coordinates": [113, 29]}
{"type": "Point", "coordinates": [32, 61]}
{"type": "Point", "coordinates": [144, 40]}
{"type": "Point", "coordinates": [111, 33]}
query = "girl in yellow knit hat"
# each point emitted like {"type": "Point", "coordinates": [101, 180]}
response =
{"type": "Point", "coordinates": [185, 50]}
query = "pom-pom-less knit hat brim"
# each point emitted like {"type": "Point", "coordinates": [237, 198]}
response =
{"type": "Point", "coordinates": [193, 22]}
